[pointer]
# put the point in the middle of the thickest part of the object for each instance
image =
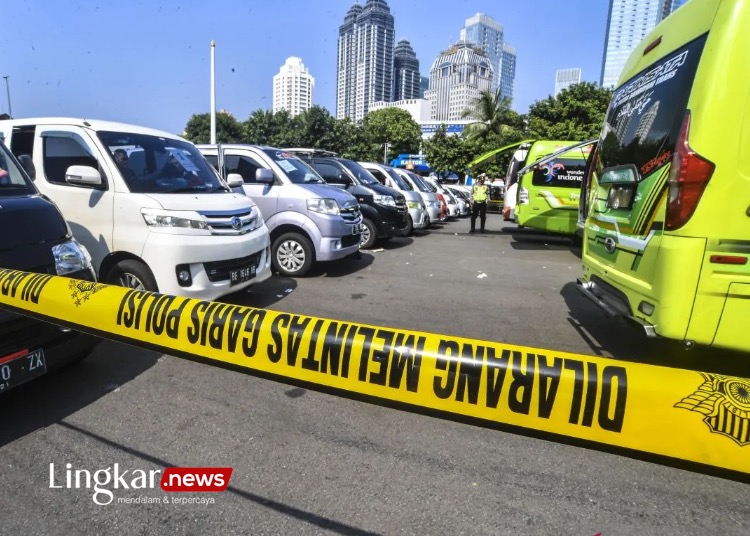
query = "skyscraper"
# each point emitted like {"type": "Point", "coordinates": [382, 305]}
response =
{"type": "Point", "coordinates": [293, 87]}
{"type": "Point", "coordinates": [565, 78]}
{"type": "Point", "coordinates": [457, 77]}
{"type": "Point", "coordinates": [628, 23]}
{"type": "Point", "coordinates": [507, 73]}
{"type": "Point", "coordinates": [406, 77]}
{"type": "Point", "coordinates": [365, 59]}
{"type": "Point", "coordinates": [486, 32]}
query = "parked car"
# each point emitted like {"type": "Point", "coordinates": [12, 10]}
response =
{"type": "Point", "coordinates": [450, 200]}
{"type": "Point", "coordinates": [148, 207]}
{"type": "Point", "coordinates": [384, 210]}
{"type": "Point", "coordinates": [462, 198]}
{"type": "Point", "coordinates": [432, 204]}
{"type": "Point", "coordinates": [35, 238]}
{"type": "Point", "coordinates": [419, 218]}
{"type": "Point", "coordinates": [309, 220]}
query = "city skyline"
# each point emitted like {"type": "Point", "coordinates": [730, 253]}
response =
{"type": "Point", "coordinates": [62, 70]}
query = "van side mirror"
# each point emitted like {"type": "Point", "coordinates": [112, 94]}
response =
{"type": "Point", "coordinates": [235, 180]}
{"type": "Point", "coordinates": [264, 176]}
{"type": "Point", "coordinates": [83, 176]}
{"type": "Point", "coordinates": [28, 165]}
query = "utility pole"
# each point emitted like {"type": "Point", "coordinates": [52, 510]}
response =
{"type": "Point", "coordinates": [7, 88]}
{"type": "Point", "coordinates": [386, 146]}
{"type": "Point", "coordinates": [213, 95]}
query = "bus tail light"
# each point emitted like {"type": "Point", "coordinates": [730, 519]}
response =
{"type": "Point", "coordinates": [687, 180]}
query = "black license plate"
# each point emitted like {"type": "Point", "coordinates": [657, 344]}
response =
{"type": "Point", "coordinates": [240, 275]}
{"type": "Point", "coordinates": [21, 367]}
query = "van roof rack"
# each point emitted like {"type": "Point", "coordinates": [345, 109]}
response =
{"type": "Point", "coordinates": [309, 151]}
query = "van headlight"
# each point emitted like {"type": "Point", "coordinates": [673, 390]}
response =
{"type": "Point", "coordinates": [324, 206]}
{"type": "Point", "coordinates": [70, 257]}
{"type": "Point", "coordinates": [385, 200]}
{"type": "Point", "coordinates": [414, 205]}
{"type": "Point", "coordinates": [257, 220]}
{"type": "Point", "coordinates": [168, 218]}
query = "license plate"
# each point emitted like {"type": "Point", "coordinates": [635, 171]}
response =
{"type": "Point", "coordinates": [240, 275]}
{"type": "Point", "coordinates": [21, 367]}
{"type": "Point", "coordinates": [356, 229]}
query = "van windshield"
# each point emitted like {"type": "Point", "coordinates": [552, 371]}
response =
{"type": "Point", "coordinates": [361, 174]}
{"type": "Point", "coordinates": [152, 164]}
{"type": "Point", "coordinates": [645, 115]}
{"type": "Point", "coordinates": [402, 184]}
{"type": "Point", "coordinates": [423, 185]}
{"type": "Point", "coordinates": [297, 171]}
{"type": "Point", "coordinates": [12, 180]}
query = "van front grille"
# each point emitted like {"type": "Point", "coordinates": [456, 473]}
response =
{"type": "Point", "coordinates": [231, 222]}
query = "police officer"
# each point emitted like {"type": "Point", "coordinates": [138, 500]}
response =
{"type": "Point", "coordinates": [479, 195]}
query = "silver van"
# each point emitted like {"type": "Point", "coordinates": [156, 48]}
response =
{"type": "Point", "coordinates": [427, 191]}
{"type": "Point", "coordinates": [387, 176]}
{"type": "Point", "coordinates": [308, 219]}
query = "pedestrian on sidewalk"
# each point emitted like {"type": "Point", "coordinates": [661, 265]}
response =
{"type": "Point", "coordinates": [479, 195]}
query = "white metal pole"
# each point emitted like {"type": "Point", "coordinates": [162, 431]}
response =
{"type": "Point", "coordinates": [7, 87]}
{"type": "Point", "coordinates": [213, 95]}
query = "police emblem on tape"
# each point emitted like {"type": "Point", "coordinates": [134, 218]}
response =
{"type": "Point", "coordinates": [81, 291]}
{"type": "Point", "coordinates": [725, 402]}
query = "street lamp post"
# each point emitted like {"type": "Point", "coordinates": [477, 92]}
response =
{"type": "Point", "coordinates": [386, 146]}
{"type": "Point", "coordinates": [7, 88]}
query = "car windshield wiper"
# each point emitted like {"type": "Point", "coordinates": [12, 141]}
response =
{"type": "Point", "coordinates": [13, 185]}
{"type": "Point", "coordinates": [185, 189]}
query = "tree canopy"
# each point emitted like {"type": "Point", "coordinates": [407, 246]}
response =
{"type": "Point", "coordinates": [576, 113]}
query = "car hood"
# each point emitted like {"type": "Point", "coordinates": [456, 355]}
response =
{"type": "Point", "coordinates": [223, 202]}
{"type": "Point", "coordinates": [342, 197]}
{"type": "Point", "coordinates": [28, 222]}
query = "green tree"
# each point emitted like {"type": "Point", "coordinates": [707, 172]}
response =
{"type": "Point", "coordinates": [279, 129]}
{"type": "Point", "coordinates": [447, 154]}
{"type": "Point", "coordinates": [317, 129]}
{"type": "Point", "coordinates": [350, 141]}
{"type": "Point", "coordinates": [576, 113]}
{"type": "Point", "coordinates": [394, 126]}
{"type": "Point", "coordinates": [228, 129]}
{"type": "Point", "coordinates": [494, 117]}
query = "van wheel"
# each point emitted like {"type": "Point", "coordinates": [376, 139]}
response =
{"type": "Point", "coordinates": [369, 234]}
{"type": "Point", "coordinates": [410, 227]}
{"type": "Point", "coordinates": [292, 255]}
{"type": "Point", "coordinates": [132, 274]}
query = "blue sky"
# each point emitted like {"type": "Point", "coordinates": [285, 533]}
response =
{"type": "Point", "coordinates": [147, 62]}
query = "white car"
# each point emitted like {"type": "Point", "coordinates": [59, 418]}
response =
{"type": "Point", "coordinates": [387, 176]}
{"type": "Point", "coordinates": [450, 199]}
{"type": "Point", "coordinates": [149, 208]}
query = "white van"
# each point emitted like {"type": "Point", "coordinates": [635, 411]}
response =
{"type": "Point", "coordinates": [151, 211]}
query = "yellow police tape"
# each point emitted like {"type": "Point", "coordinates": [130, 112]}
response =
{"type": "Point", "coordinates": [699, 418]}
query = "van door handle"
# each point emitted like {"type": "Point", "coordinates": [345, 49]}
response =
{"type": "Point", "coordinates": [748, 212]}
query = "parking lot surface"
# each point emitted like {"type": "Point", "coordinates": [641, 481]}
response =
{"type": "Point", "coordinates": [308, 462]}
